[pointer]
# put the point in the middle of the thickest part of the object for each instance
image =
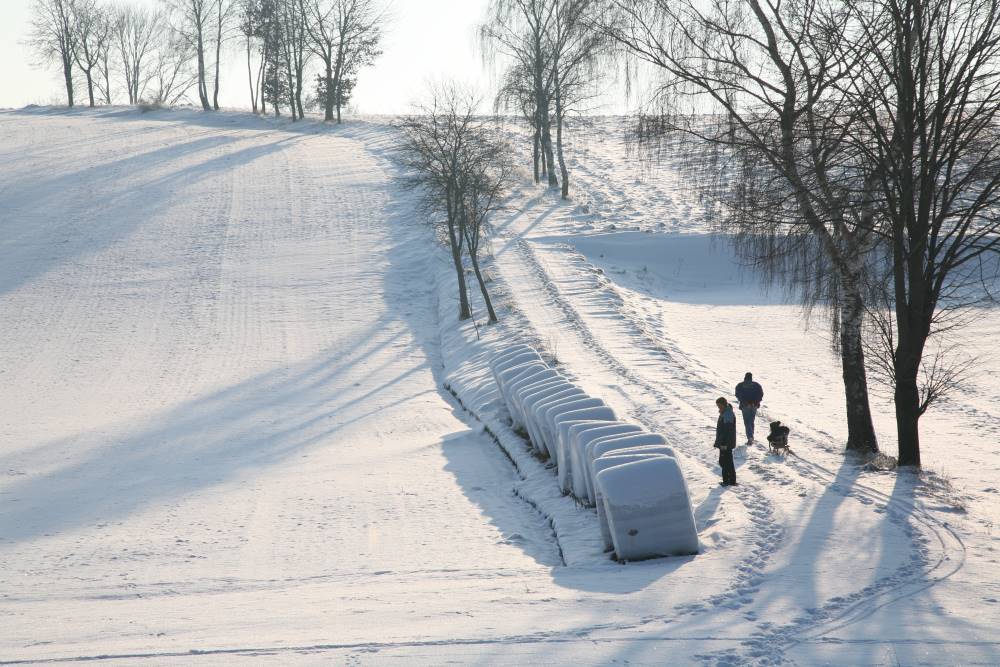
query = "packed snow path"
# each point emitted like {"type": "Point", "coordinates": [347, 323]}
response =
{"type": "Point", "coordinates": [224, 436]}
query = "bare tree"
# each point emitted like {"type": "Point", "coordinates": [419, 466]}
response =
{"type": "Point", "coordinates": [927, 90]}
{"type": "Point", "coordinates": [871, 125]}
{"type": "Point", "coordinates": [225, 12]}
{"type": "Point", "coordinates": [172, 72]}
{"type": "Point", "coordinates": [137, 31]}
{"type": "Point", "coordinates": [292, 21]}
{"type": "Point", "coordinates": [484, 178]}
{"type": "Point", "coordinates": [104, 66]}
{"type": "Point", "coordinates": [275, 86]}
{"type": "Point", "coordinates": [518, 30]}
{"type": "Point", "coordinates": [346, 36]}
{"type": "Point", "coordinates": [193, 20]}
{"type": "Point", "coordinates": [92, 30]}
{"type": "Point", "coordinates": [575, 45]}
{"type": "Point", "coordinates": [517, 93]}
{"type": "Point", "coordinates": [799, 202]}
{"type": "Point", "coordinates": [250, 27]}
{"type": "Point", "coordinates": [461, 166]}
{"type": "Point", "coordinates": [53, 39]}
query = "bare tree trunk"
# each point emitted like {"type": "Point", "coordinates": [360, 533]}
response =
{"type": "Point", "coordinates": [107, 84]}
{"type": "Point", "coordinates": [260, 81]}
{"type": "Point", "coordinates": [550, 159]}
{"type": "Point", "coordinates": [913, 329]}
{"type": "Point", "coordinates": [253, 88]}
{"type": "Point", "coordinates": [907, 399]}
{"type": "Point", "coordinates": [202, 86]}
{"type": "Point", "coordinates": [536, 140]}
{"type": "Point", "coordinates": [338, 82]}
{"type": "Point", "coordinates": [860, 428]}
{"type": "Point", "coordinates": [328, 102]}
{"type": "Point", "coordinates": [218, 55]}
{"type": "Point", "coordinates": [559, 143]}
{"type": "Point", "coordinates": [298, 91]}
{"type": "Point", "coordinates": [90, 86]}
{"type": "Point", "coordinates": [68, 77]}
{"type": "Point", "coordinates": [464, 309]}
{"type": "Point", "coordinates": [482, 288]}
{"type": "Point", "coordinates": [291, 81]}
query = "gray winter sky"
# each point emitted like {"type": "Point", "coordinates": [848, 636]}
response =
{"type": "Point", "coordinates": [428, 40]}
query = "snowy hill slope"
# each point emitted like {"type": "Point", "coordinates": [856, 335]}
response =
{"type": "Point", "coordinates": [226, 436]}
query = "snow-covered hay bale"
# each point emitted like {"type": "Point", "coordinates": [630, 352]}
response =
{"type": "Point", "coordinates": [537, 412]}
{"type": "Point", "coordinates": [580, 439]}
{"type": "Point", "coordinates": [511, 352]}
{"type": "Point", "coordinates": [510, 360]}
{"type": "Point", "coordinates": [641, 449]}
{"type": "Point", "coordinates": [604, 463]}
{"type": "Point", "coordinates": [648, 509]}
{"type": "Point", "coordinates": [535, 406]}
{"type": "Point", "coordinates": [519, 354]}
{"type": "Point", "coordinates": [526, 391]}
{"type": "Point", "coordinates": [515, 374]}
{"type": "Point", "coordinates": [516, 388]}
{"type": "Point", "coordinates": [601, 446]}
{"type": "Point", "coordinates": [549, 421]}
{"type": "Point", "coordinates": [563, 423]}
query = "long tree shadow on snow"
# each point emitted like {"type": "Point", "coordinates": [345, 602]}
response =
{"type": "Point", "coordinates": [251, 425]}
{"type": "Point", "coordinates": [413, 261]}
{"type": "Point", "coordinates": [84, 224]}
{"type": "Point", "coordinates": [212, 438]}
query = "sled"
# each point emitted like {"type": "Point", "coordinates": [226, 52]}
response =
{"type": "Point", "coordinates": [777, 440]}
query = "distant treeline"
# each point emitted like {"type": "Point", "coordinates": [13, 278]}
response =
{"type": "Point", "coordinates": [299, 53]}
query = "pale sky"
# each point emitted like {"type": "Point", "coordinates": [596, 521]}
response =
{"type": "Point", "coordinates": [428, 40]}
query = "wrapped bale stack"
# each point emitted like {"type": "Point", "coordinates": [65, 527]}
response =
{"type": "Point", "coordinates": [627, 473]}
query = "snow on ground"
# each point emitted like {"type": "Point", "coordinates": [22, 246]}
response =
{"type": "Point", "coordinates": [229, 433]}
{"type": "Point", "coordinates": [627, 284]}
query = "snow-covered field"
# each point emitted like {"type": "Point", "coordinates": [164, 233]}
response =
{"type": "Point", "coordinates": [228, 430]}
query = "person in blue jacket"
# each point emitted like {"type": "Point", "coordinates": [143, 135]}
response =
{"type": "Point", "coordinates": [725, 441]}
{"type": "Point", "coordinates": [749, 394]}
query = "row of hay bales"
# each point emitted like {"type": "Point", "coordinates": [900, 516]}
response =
{"type": "Point", "coordinates": [629, 474]}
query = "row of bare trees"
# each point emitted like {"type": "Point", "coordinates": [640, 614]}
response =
{"type": "Point", "coordinates": [282, 37]}
{"type": "Point", "coordinates": [461, 165]}
{"type": "Point", "coordinates": [551, 53]}
{"type": "Point", "coordinates": [860, 147]}
{"type": "Point", "coordinates": [160, 55]}
{"type": "Point", "coordinates": [112, 44]}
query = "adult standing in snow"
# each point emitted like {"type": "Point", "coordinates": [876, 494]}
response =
{"type": "Point", "coordinates": [749, 394]}
{"type": "Point", "coordinates": [725, 441]}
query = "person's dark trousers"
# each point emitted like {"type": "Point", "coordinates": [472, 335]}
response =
{"type": "Point", "coordinates": [727, 465]}
{"type": "Point", "coordinates": [749, 415]}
